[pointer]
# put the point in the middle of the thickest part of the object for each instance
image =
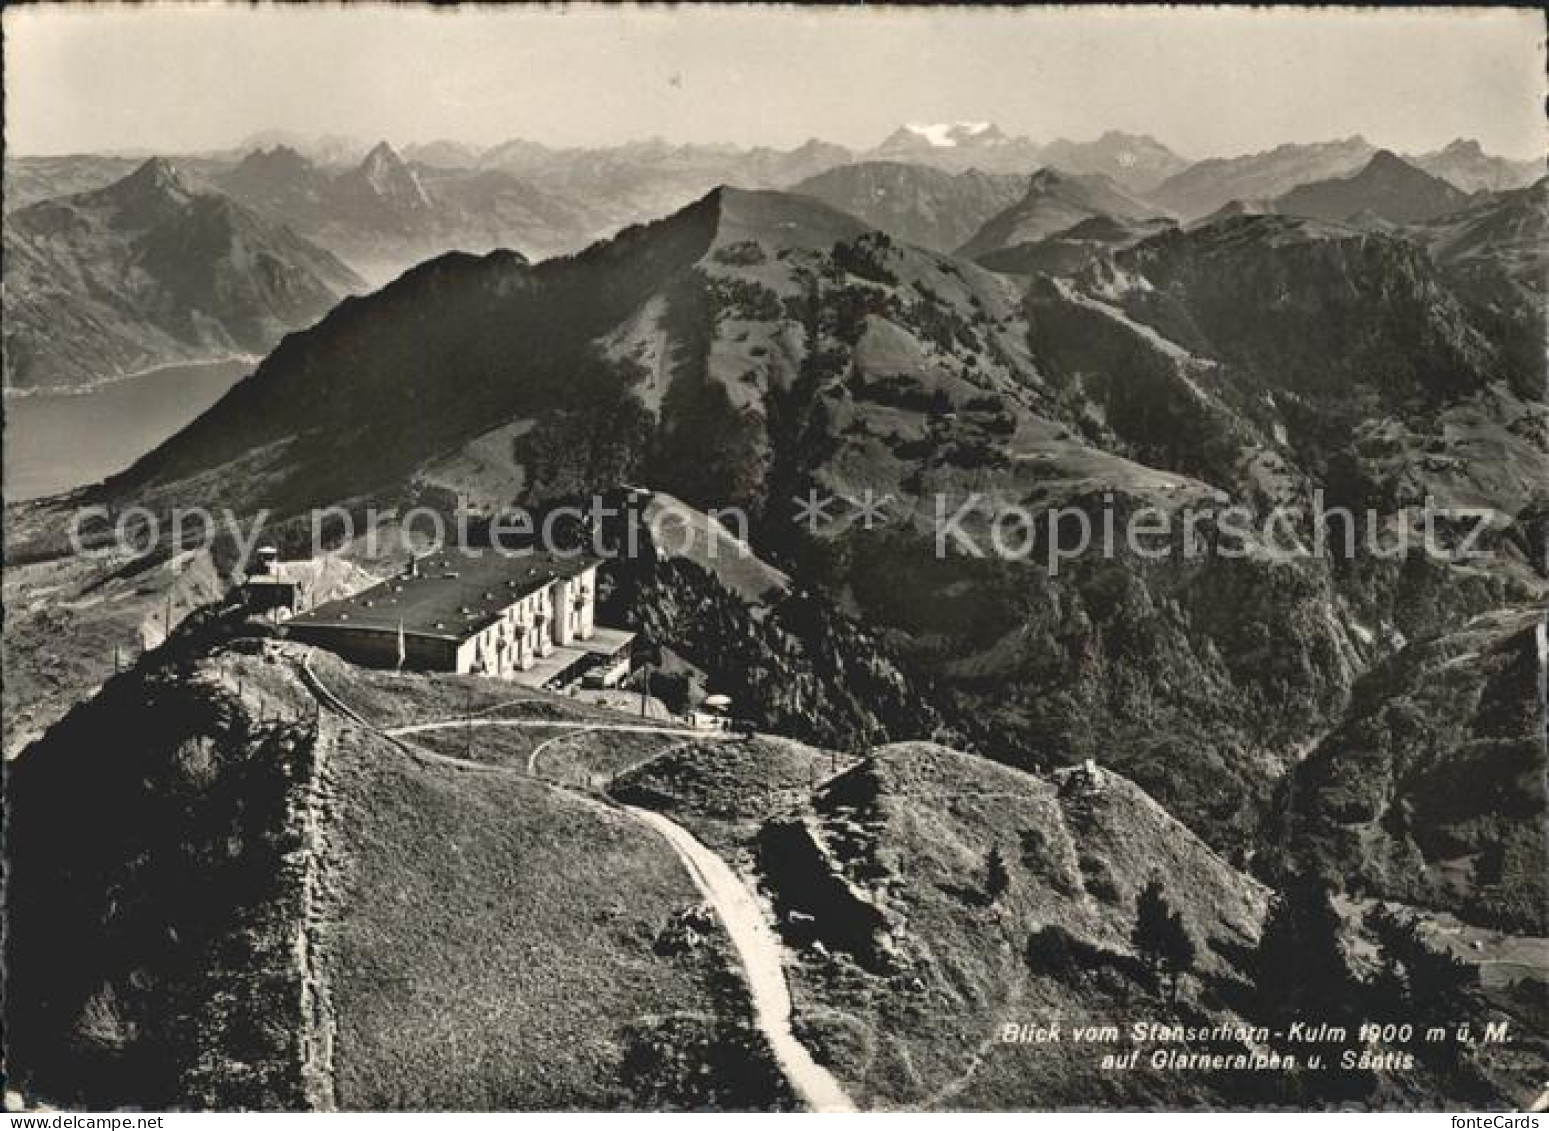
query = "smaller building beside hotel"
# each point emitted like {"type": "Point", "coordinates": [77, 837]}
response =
{"type": "Point", "coordinates": [280, 589]}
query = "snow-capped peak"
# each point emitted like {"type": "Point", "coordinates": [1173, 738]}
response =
{"type": "Point", "coordinates": [945, 135]}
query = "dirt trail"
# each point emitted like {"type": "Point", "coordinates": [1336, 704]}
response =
{"type": "Point", "coordinates": [759, 950]}
{"type": "Point", "coordinates": [552, 724]}
{"type": "Point", "coordinates": [570, 729]}
{"type": "Point", "coordinates": [762, 957]}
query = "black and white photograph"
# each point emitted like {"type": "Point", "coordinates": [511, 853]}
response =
{"type": "Point", "coordinates": [774, 558]}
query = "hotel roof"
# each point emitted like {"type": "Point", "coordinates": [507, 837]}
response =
{"type": "Point", "coordinates": [451, 595]}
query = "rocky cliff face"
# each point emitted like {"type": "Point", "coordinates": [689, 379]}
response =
{"type": "Point", "coordinates": [277, 904]}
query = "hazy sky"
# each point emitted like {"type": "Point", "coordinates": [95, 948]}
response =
{"type": "Point", "coordinates": [174, 78]}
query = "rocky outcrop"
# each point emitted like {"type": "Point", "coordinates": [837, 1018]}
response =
{"type": "Point", "coordinates": [814, 899]}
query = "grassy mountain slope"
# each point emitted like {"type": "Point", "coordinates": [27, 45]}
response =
{"type": "Point", "coordinates": [908, 970]}
{"type": "Point", "coordinates": [279, 909]}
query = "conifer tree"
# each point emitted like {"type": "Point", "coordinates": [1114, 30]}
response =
{"type": "Point", "coordinates": [1162, 939]}
{"type": "Point", "coordinates": [997, 877]}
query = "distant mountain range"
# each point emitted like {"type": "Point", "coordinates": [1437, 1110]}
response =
{"type": "Point", "coordinates": [938, 184]}
{"type": "Point", "coordinates": [1134, 161]}
{"type": "Point", "coordinates": [1204, 187]}
{"type": "Point", "coordinates": [1500, 231]}
{"type": "Point", "coordinates": [152, 270]}
{"type": "Point", "coordinates": [1467, 166]}
{"type": "Point", "coordinates": [1387, 188]}
{"type": "Point", "coordinates": [557, 199]}
{"type": "Point", "coordinates": [1054, 201]}
{"type": "Point", "coordinates": [774, 343]}
{"type": "Point", "coordinates": [383, 214]}
{"type": "Point", "coordinates": [1014, 205]}
{"type": "Point", "coordinates": [919, 204]}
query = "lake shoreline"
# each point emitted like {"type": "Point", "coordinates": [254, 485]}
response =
{"type": "Point", "coordinates": [55, 443]}
{"type": "Point", "coordinates": [101, 383]}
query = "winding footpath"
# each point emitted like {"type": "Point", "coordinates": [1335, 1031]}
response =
{"type": "Point", "coordinates": [762, 958]}
{"type": "Point", "coordinates": [570, 728]}
{"type": "Point", "coordinates": [758, 949]}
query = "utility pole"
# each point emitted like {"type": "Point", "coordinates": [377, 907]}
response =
{"type": "Point", "coordinates": [468, 729]}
